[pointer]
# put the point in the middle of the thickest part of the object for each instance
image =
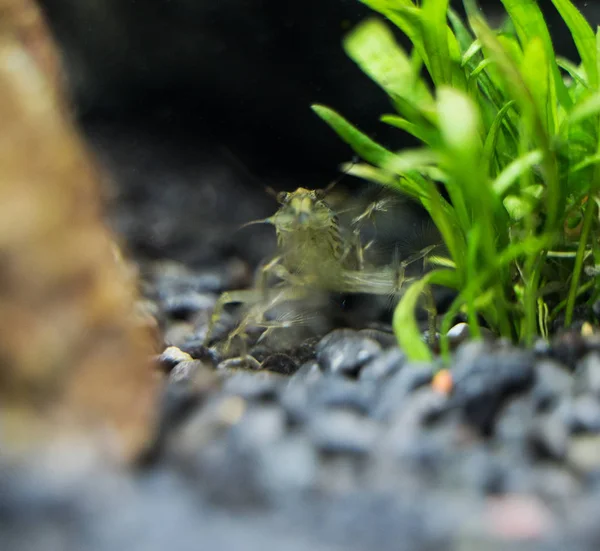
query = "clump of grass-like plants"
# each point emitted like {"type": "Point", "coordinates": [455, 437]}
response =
{"type": "Point", "coordinates": [508, 167]}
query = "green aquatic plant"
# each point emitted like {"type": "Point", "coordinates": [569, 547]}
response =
{"type": "Point", "coordinates": [508, 162]}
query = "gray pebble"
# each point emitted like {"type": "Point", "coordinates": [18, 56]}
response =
{"type": "Point", "coordinates": [178, 333]}
{"type": "Point", "coordinates": [185, 305]}
{"type": "Point", "coordinates": [260, 426]}
{"type": "Point", "coordinates": [185, 372]}
{"type": "Point", "coordinates": [258, 386]}
{"type": "Point", "coordinates": [585, 414]}
{"type": "Point", "coordinates": [552, 382]}
{"type": "Point", "coordinates": [514, 422]}
{"type": "Point", "coordinates": [549, 437]}
{"type": "Point", "coordinates": [587, 374]}
{"type": "Point", "coordinates": [296, 395]}
{"type": "Point", "coordinates": [584, 453]}
{"type": "Point", "coordinates": [485, 378]}
{"type": "Point", "coordinates": [342, 393]}
{"type": "Point", "coordinates": [171, 356]}
{"type": "Point", "coordinates": [385, 364]}
{"type": "Point", "coordinates": [338, 431]}
{"type": "Point", "coordinates": [344, 351]}
{"type": "Point", "coordinates": [288, 465]}
{"type": "Point", "coordinates": [384, 338]}
{"type": "Point", "coordinates": [397, 388]}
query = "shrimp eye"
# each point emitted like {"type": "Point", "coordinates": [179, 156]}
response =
{"type": "Point", "coordinates": [282, 197]}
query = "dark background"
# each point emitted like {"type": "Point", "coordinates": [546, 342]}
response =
{"type": "Point", "coordinates": [194, 105]}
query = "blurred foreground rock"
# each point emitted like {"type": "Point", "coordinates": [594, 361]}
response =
{"type": "Point", "coordinates": [74, 360]}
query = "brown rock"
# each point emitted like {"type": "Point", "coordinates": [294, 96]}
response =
{"type": "Point", "coordinates": [73, 357]}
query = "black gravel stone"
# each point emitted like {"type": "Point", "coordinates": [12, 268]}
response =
{"type": "Point", "coordinates": [280, 363]}
{"type": "Point", "coordinates": [398, 387]}
{"type": "Point", "coordinates": [259, 387]}
{"type": "Point", "coordinates": [343, 432]}
{"type": "Point", "coordinates": [296, 395]}
{"type": "Point", "coordinates": [196, 348]}
{"type": "Point", "coordinates": [344, 351]}
{"type": "Point", "coordinates": [585, 414]}
{"type": "Point", "coordinates": [552, 381]}
{"type": "Point", "coordinates": [587, 374]}
{"type": "Point", "coordinates": [186, 305]}
{"type": "Point", "coordinates": [549, 437]}
{"type": "Point", "coordinates": [171, 356]}
{"type": "Point", "coordinates": [513, 425]}
{"type": "Point", "coordinates": [569, 347]}
{"type": "Point", "coordinates": [484, 379]}
{"type": "Point", "coordinates": [382, 366]}
{"type": "Point", "coordinates": [384, 338]}
{"type": "Point", "coordinates": [340, 393]}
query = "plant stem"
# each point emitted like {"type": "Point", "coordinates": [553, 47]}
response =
{"type": "Point", "coordinates": [534, 269]}
{"type": "Point", "coordinates": [588, 218]}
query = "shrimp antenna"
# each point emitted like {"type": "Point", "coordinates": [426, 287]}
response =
{"type": "Point", "coordinates": [346, 168]}
{"type": "Point", "coordinates": [252, 222]}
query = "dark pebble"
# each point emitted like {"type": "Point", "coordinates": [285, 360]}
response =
{"type": "Point", "coordinates": [585, 414]}
{"type": "Point", "coordinates": [384, 338]}
{"type": "Point", "coordinates": [171, 356]}
{"type": "Point", "coordinates": [186, 371]}
{"type": "Point", "coordinates": [296, 395]}
{"type": "Point", "coordinates": [344, 351]}
{"type": "Point", "coordinates": [569, 347]}
{"type": "Point", "coordinates": [260, 387]}
{"type": "Point", "coordinates": [398, 387]}
{"type": "Point", "coordinates": [513, 424]}
{"type": "Point", "coordinates": [177, 333]}
{"type": "Point", "coordinates": [552, 381]}
{"type": "Point", "coordinates": [186, 305]}
{"type": "Point", "coordinates": [342, 393]}
{"type": "Point", "coordinates": [280, 363]}
{"type": "Point", "coordinates": [288, 465]}
{"type": "Point", "coordinates": [196, 348]}
{"type": "Point", "coordinates": [260, 426]}
{"type": "Point", "coordinates": [549, 437]}
{"type": "Point", "coordinates": [408, 439]}
{"type": "Point", "coordinates": [385, 364]}
{"type": "Point", "coordinates": [482, 471]}
{"type": "Point", "coordinates": [484, 379]}
{"type": "Point", "coordinates": [343, 432]}
{"type": "Point", "coordinates": [587, 374]}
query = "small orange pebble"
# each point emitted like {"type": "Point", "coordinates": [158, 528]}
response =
{"type": "Point", "coordinates": [442, 381]}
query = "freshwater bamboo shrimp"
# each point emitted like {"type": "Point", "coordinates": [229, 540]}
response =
{"type": "Point", "coordinates": [315, 254]}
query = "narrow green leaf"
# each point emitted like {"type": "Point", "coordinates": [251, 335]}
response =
{"type": "Point", "coordinates": [583, 36]}
{"type": "Point", "coordinates": [362, 145]}
{"type": "Point", "coordinates": [489, 146]}
{"type": "Point", "coordinates": [529, 22]}
{"type": "Point", "coordinates": [588, 161]}
{"type": "Point", "coordinates": [459, 122]}
{"type": "Point", "coordinates": [514, 170]}
{"type": "Point", "coordinates": [369, 173]}
{"type": "Point", "coordinates": [472, 51]}
{"type": "Point", "coordinates": [435, 36]}
{"type": "Point", "coordinates": [416, 130]}
{"type": "Point", "coordinates": [587, 108]}
{"type": "Point", "coordinates": [406, 17]}
{"type": "Point", "coordinates": [573, 71]}
{"type": "Point", "coordinates": [535, 71]}
{"type": "Point", "coordinates": [409, 160]}
{"type": "Point", "coordinates": [374, 49]}
{"type": "Point", "coordinates": [404, 321]}
{"type": "Point", "coordinates": [464, 37]}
